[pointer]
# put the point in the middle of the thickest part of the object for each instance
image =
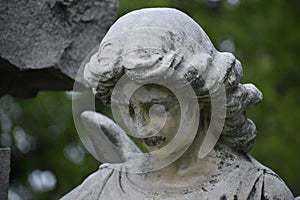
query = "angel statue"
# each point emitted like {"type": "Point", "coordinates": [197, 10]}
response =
{"type": "Point", "coordinates": [183, 102]}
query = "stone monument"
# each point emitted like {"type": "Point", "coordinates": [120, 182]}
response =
{"type": "Point", "coordinates": [42, 43]}
{"type": "Point", "coordinates": [4, 172]}
{"type": "Point", "coordinates": [165, 53]}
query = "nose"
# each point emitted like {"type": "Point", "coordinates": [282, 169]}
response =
{"type": "Point", "coordinates": [158, 117]}
{"type": "Point", "coordinates": [150, 121]}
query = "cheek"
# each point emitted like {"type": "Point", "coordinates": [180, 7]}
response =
{"type": "Point", "coordinates": [172, 122]}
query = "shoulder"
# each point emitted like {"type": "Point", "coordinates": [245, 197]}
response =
{"type": "Point", "coordinates": [274, 187]}
{"type": "Point", "coordinates": [257, 181]}
{"type": "Point", "coordinates": [91, 187]}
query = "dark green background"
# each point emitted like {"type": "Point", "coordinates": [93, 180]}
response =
{"type": "Point", "coordinates": [265, 35]}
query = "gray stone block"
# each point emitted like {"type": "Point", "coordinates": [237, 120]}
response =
{"type": "Point", "coordinates": [4, 172]}
{"type": "Point", "coordinates": [42, 43]}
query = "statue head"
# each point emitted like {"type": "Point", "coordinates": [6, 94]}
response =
{"type": "Point", "coordinates": [166, 45]}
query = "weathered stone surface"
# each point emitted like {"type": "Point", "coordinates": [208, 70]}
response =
{"type": "Point", "coordinates": [4, 172]}
{"type": "Point", "coordinates": [236, 177]}
{"type": "Point", "coordinates": [106, 130]}
{"type": "Point", "coordinates": [42, 43]}
{"type": "Point", "coordinates": [148, 46]}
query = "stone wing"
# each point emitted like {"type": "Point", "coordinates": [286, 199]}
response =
{"type": "Point", "coordinates": [110, 143]}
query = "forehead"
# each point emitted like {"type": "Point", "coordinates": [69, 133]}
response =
{"type": "Point", "coordinates": [153, 93]}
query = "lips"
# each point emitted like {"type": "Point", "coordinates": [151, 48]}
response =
{"type": "Point", "coordinates": [154, 140]}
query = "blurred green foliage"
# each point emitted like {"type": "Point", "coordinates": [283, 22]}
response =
{"type": "Point", "coordinates": [264, 35]}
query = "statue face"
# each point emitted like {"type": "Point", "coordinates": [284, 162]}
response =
{"type": "Point", "coordinates": [156, 111]}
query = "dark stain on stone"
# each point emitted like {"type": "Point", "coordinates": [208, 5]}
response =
{"type": "Point", "coordinates": [223, 197]}
{"type": "Point", "coordinates": [106, 45]}
{"type": "Point", "coordinates": [253, 191]}
{"type": "Point", "coordinates": [213, 181]}
{"type": "Point", "coordinates": [171, 42]}
{"type": "Point", "coordinates": [120, 184]}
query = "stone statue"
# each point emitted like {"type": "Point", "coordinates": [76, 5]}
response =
{"type": "Point", "coordinates": [165, 46]}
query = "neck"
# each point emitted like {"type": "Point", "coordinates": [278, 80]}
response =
{"type": "Point", "coordinates": [183, 172]}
